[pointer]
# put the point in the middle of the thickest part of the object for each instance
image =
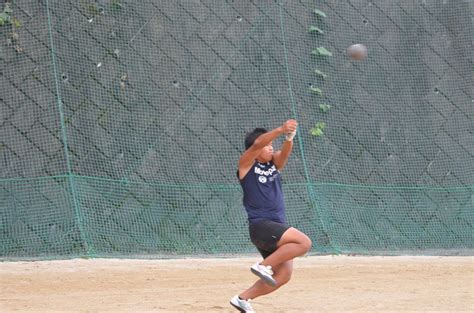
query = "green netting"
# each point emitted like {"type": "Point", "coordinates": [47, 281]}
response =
{"type": "Point", "coordinates": [122, 123]}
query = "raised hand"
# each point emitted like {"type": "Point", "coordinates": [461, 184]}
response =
{"type": "Point", "coordinates": [289, 126]}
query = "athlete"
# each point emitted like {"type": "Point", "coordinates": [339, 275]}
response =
{"type": "Point", "coordinates": [278, 243]}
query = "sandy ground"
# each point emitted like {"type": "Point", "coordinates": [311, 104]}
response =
{"type": "Point", "coordinates": [319, 284]}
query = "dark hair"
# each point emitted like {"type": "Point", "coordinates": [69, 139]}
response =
{"type": "Point", "coordinates": [254, 134]}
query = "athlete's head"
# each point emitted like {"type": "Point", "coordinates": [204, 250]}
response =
{"type": "Point", "coordinates": [267, 153]}
{"type": "Point", "coordinates": [252, 136]}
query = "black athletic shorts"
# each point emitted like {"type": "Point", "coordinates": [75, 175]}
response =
{"type": "Point", "coordinates": [265, 235]}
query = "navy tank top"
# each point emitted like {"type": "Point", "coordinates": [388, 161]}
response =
{"type": "Point", "coordinates": [263, 197]}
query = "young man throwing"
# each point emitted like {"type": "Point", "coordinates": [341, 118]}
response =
{"type": "Point", "coordinates": [278, 243]}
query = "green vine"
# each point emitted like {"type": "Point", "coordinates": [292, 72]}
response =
{"type": "Point", "coordinates": [318, 129]}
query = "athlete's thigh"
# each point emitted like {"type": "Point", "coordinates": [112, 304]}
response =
{"type": "Point", "coordinates": [293, 235]}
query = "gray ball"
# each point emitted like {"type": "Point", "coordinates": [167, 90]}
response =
{"type": "Point", "coordinates": [357, 52]}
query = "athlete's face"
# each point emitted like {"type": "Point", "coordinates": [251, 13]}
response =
{"type": "Point", "coordinates": [267, 153]}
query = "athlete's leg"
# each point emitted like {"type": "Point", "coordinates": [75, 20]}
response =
{"type": "Point", "coordinates": [282, 274]}
{"type": "Point", "coordinates": [292, 244]}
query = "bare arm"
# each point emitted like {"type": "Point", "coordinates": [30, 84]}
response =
{"type": "Point", "coordinates": [281, 157]}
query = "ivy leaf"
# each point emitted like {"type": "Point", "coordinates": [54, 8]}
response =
{"type": "Point", "coordinates": [116, 5]}
{"type": "Point", "coordinates": [16, 22]}
{"type": "Point", "coordinates": [7, 9]}
{"type": "Point", "coordinates": [321, 125]}
{"type": "Point", "coordinates": [319, 13]}
{"type": "Point", "coordinates": [318, 72]}
{"type": "Point", "coordinates": [322, 51]}
{"type": "Point", "coordinates": [316, 90]}
{"type": "Point", "coordinates": [4, 18]}
{"type": "Point", "coordinates": [324, 107]}
{"type": "Point", "coordinates": [317, 132]}
{"type": "Point", "coordinates": [318, 129]}
{"type": "Point", "coordinates": [314, 29]}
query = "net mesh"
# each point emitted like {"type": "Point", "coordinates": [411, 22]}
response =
{"type": "Point", "coordinates": [122, 123]}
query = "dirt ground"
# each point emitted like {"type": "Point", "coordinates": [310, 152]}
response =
{"type": "Point", "coordinates": [319, 284]}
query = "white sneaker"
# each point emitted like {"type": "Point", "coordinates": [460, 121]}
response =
{"type": "Point", "coordinates": [264, 272]}
{"type": "Point", "coordinates": [242, 305]}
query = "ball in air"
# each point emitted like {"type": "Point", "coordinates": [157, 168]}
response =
{"type": "Point", "coordinates": [357, 52]}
